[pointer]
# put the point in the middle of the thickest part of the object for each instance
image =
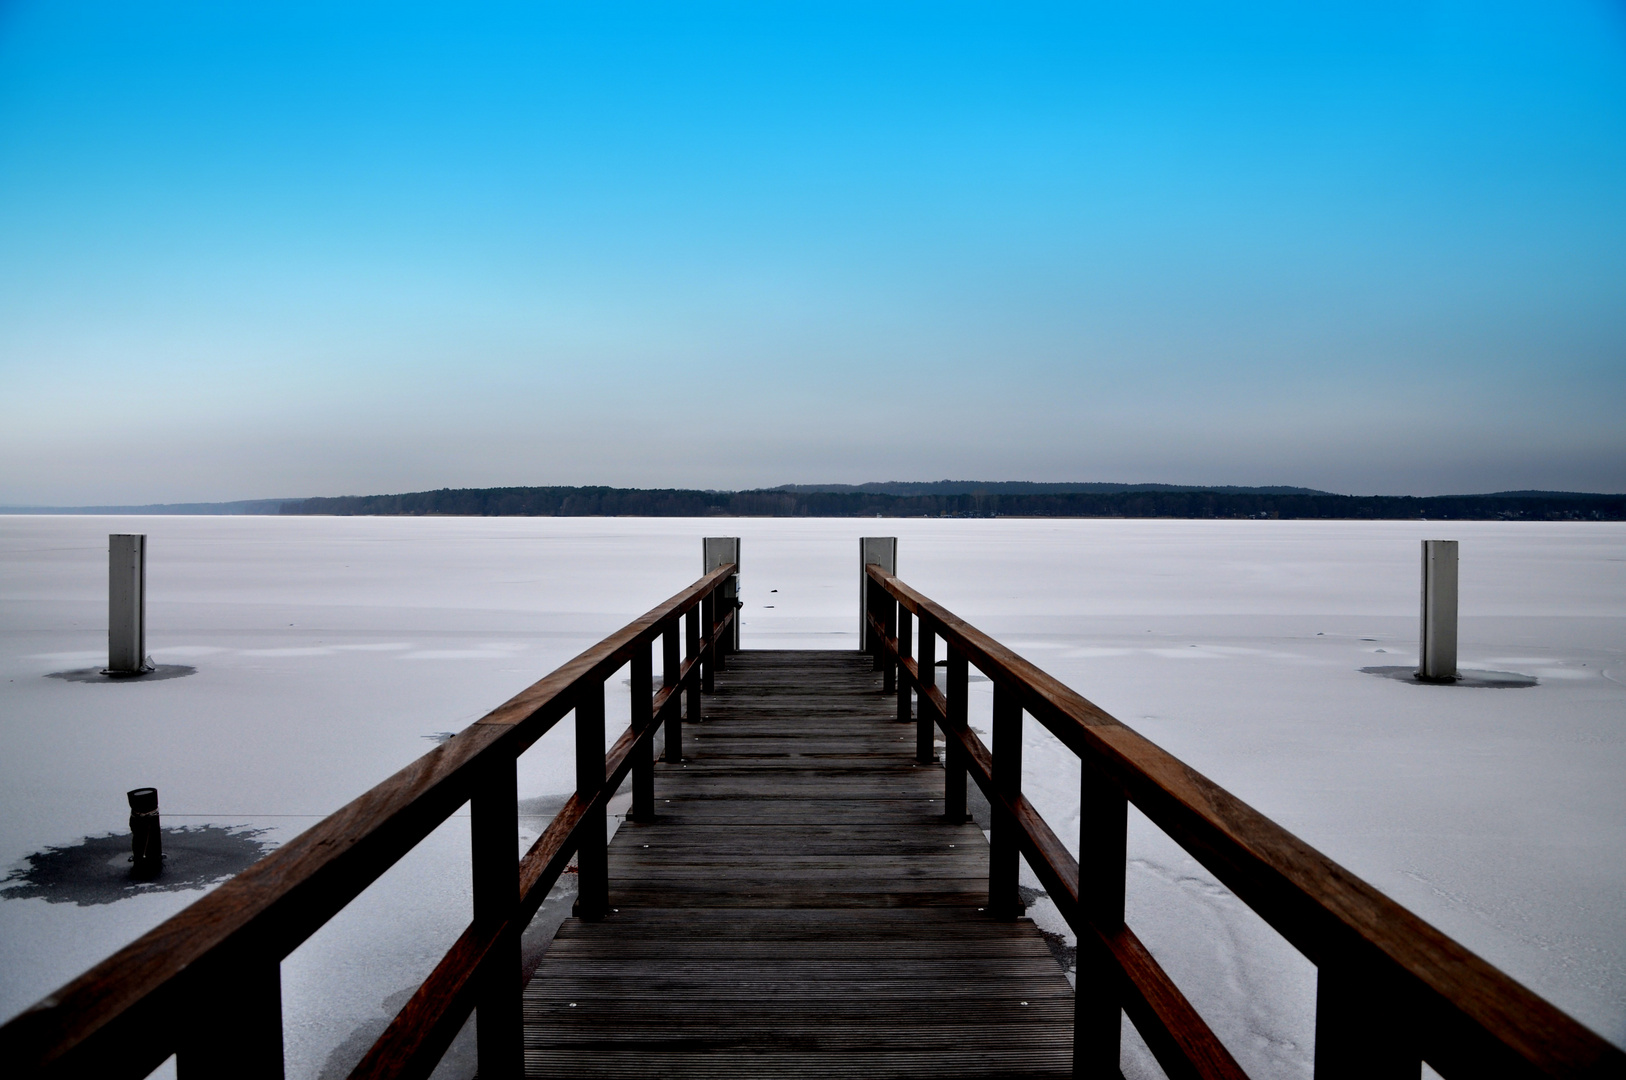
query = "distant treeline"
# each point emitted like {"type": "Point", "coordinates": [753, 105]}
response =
{"type": "Point", "coordinates": [1142, 502]}
{"type": "Point", "coordinates": [1030, 487]}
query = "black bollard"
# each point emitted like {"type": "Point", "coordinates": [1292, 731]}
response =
{"type": "Point", "coordinates": [146, 842]}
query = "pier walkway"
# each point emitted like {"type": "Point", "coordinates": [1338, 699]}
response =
{"type": "Point", "coordinates": [799, 906]}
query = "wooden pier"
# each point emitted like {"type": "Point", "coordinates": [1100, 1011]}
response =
{"type": "Point", "coordinates": [799, 906]}
{"type": "Point", "coordinates": [797, 891]}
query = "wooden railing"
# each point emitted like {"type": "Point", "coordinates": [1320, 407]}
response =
{"type": "Point", "coordinates": [1391, 992]}
{"type": "Point", "coordinates": [205, 985]}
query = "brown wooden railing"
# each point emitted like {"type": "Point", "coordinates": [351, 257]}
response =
{"type": "Point", "coordinates": [205, 985]}
{"type": "Point", "coordinates": [1392, 991]}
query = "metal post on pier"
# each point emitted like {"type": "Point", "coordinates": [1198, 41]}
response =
{"type": "Point", "coordinates": [127, 604]}
{"type": "Point", "coordinates": [1437, 637]}
{"type": "Point", "coordinates": [883, 552]}
{"type": "Point", "coordinates": [719, 550]}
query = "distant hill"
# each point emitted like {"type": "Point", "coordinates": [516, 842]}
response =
{"type": "Point", "coordinates": [1126, 500]}
{"type": "Point", "coordinates": [1539, 495]}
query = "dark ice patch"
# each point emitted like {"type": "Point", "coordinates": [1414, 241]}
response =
{"type": "Point", "coordinates": [1488, 680]}
{"type": "Point", "coordinates": [1065, 954]}
{"type": "Point", "coordinates": [97, 870]}
{"type": "Point", "coordinates": [95, 675]}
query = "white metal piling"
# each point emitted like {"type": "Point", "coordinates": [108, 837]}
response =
{"type": "Point", "coordinates": [127, 603]}
{"type": "Point", "coordinates": [883, 551]}
{"type": "Point", "coordinates": [719, 550]}
{"type": "Point", "coordinates": [1437, 640]}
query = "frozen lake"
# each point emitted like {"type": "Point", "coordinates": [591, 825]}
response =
{"type": "Point", "coordinates": [330, 651]}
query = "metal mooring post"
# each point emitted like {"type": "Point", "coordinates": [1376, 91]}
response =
{"type": "Point", "coordinates": [719, 550]}
{"type": "Point", "coordinates": [146, 841]}
{"type": "Point", "coordinates": [1437, 641]}
{"type": "Point", "coordinates": [127, 604]}
{"type": "Point", "coordinates": [882, 550]}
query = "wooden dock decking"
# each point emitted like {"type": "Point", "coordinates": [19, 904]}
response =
{"type": "Point", "coordinates": [798, 907]}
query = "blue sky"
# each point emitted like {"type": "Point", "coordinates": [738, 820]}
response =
{"type": "Point", "coordinates": [269, 250]}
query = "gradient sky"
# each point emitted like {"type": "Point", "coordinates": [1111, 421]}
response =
{"type": "Point", "coordinates": [282, 250]}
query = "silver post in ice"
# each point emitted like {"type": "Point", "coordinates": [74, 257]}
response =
{"type": "Point", "coordinates": [127, 604]}
{"type": "Point", "coordinates": [719, 550]}
{"type": "Point", "coordinates": [883, 551]}
{"type": "Point", "coordinates": [1437, 644]}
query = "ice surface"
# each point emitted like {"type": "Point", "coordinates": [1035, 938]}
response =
{"type": "Point", "coordinates": [331, 651]}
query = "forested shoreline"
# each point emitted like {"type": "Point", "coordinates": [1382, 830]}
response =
{"type": "Point", "coordinates": [1149, 502]}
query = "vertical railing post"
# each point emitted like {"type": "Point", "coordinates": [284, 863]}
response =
{"type": "Point", "coordinates": [494, 844]}
{"type": "Point", "coordinates": [234, 1024]}
{"type": "Point", "coordinates": [1103, 829]}
{"type": "Point", "coordinates": [643, 749]}
{"type": "Point", "coordinates": [877, 648]}
{"type": "Point", "coordinates": [926, 714]}
{"type": "Point", "coordinates": [872, 605]}
{"type": "Point", "coordinates": [708, 619]}
{"type": "Point", "coordinates": [592, 860]}
{"type": "Point", "coordinates": [728, 604]}
{"type": "Point", "coordinates": [905, 647]}
{"type": "Point", "coordinates": [1361, 1031]}
{"type": "Point", "coordinates": [959, 678]}
{"type": "Point", "coordinates": [1005, 850]}
{"type": "Point", "coordinates": [691, 649]}
{"type": "Point", "coordinates": [889, 607]}
{"type": "Point", "coordinates": [720, 605]}
{"type": "Point", "coordinates": [670, 663]}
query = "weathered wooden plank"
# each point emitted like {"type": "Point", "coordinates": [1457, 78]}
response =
{"type": "Point", "coordinates": [798, 906]}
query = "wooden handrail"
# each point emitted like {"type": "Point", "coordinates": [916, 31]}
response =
{"type": "Point", "coordinates": [1441, 1002]}
{"type": "Point", "coordinates": [128, 1013]}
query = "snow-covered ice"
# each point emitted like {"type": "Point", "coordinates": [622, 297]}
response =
{"type": "Point", "coordinates": [330, 651]}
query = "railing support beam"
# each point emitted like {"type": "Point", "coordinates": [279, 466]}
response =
{"type": "Point", "coordinates": [925, 754]}
{"type": "Point", "coordinates": [959, 678]}
{"type": "Point", "coordinates": [1103, 831]}
{"type": "Point", "coordinates": [235, 1026]}
{"type": "Point", "coordinates": [670, 664]}
{"type": "Point", "coordinates": [1360, 1026]}
{"type": "Point", "coordinates": [708, 667]}
{"type": "Point", "coordinates": [889, 616]}
{"type": "Point", "coordinates": [905, 646]}
{"type": "Point", "coordinates": [1005, 846]}
{"type": "Point", "coordinates": [691, 649]}
{"type": "Point", "coordinates": [494, 843]}
{"type": "Point", "coordinates": [643, 751]}
{"type": "Point", "coordinates": [592, 855]}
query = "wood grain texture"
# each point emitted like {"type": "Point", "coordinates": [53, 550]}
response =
{"type": "Point", "coordinates": [799, 907]}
